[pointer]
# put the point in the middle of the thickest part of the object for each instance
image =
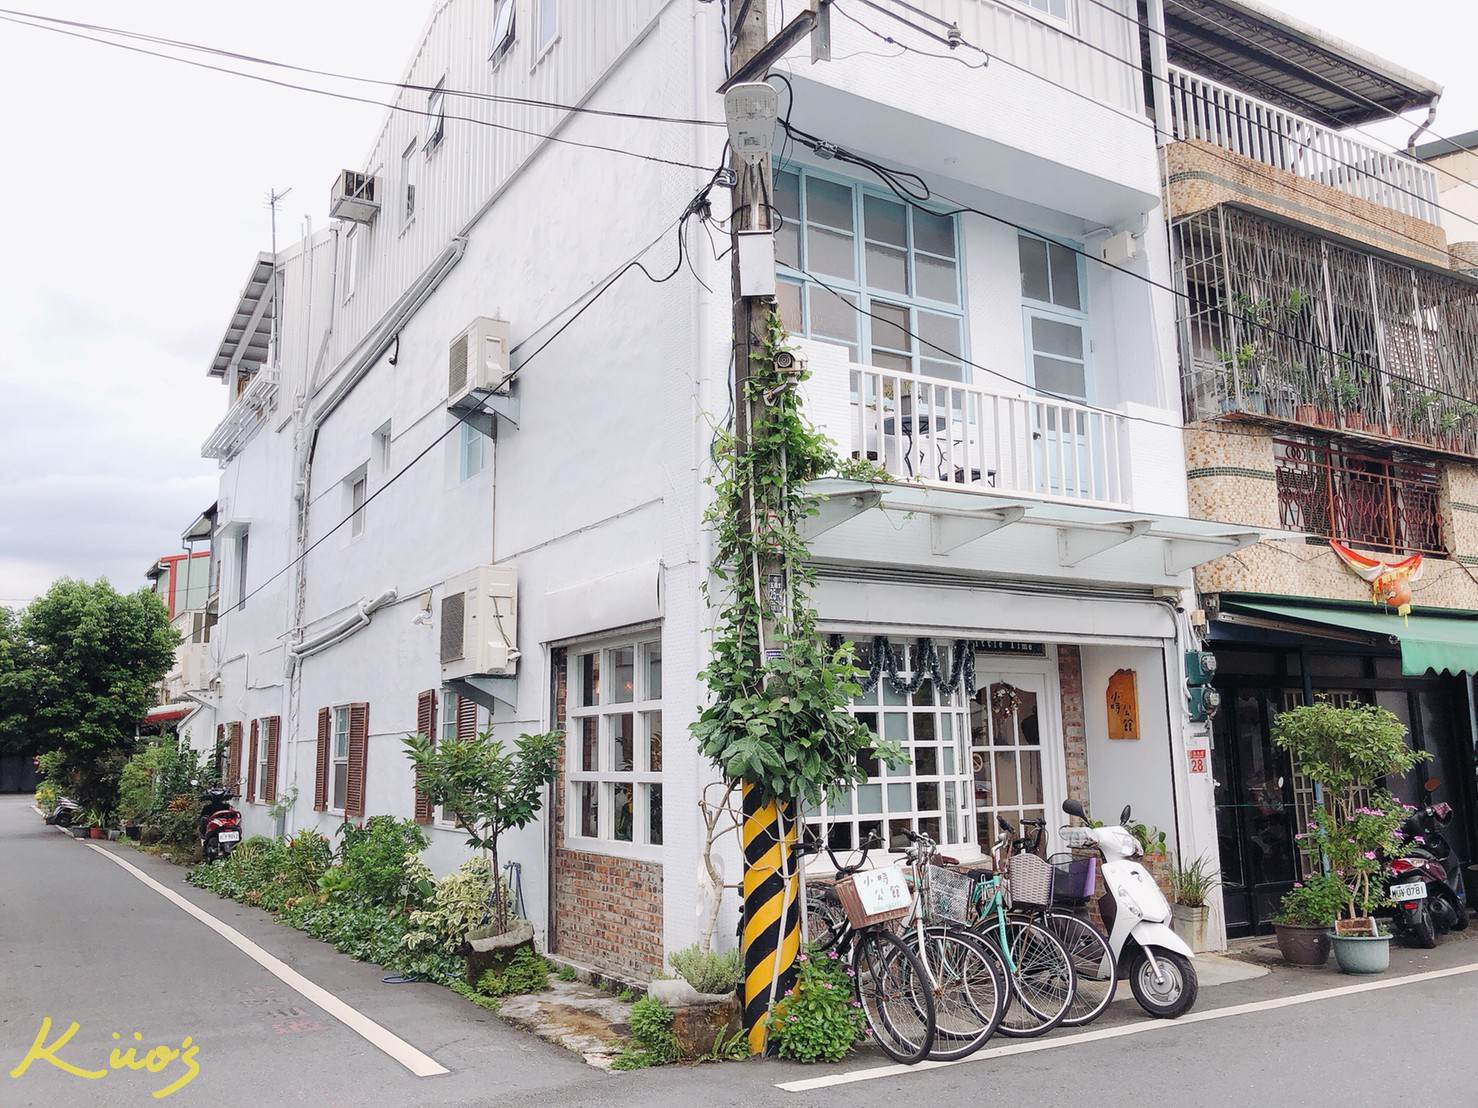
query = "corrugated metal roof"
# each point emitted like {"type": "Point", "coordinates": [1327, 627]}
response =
{"type": "Point", "coordinates": [1259, 50]}
{"type": "Point", "coordinates": [249, 334]}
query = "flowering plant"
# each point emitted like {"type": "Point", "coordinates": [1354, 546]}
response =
{"type": "Point", "coordinates": [820, 1018]}
{"type": "Point", "coordinates": [1359, 846]}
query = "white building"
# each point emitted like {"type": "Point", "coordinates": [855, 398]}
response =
{"type": "Point", "coordinates": [1045, 537]}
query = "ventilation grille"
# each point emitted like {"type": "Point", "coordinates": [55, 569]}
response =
{"type": "Point", "coordinates": [456, 369]}
{"type": "Point", "coordinates": [453, 627]}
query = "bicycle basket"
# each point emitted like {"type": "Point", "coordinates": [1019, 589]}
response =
{"type": "Point", "coordinates": [1030, 881]}
{"type": "Point", "coordinates": [949, 896]}
{"type": "Point", "coordinates": [854, 904]}
{"type": "Point", "coordinates": [1074, 880]}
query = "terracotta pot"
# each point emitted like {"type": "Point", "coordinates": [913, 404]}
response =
{"type": "Point", "coordinates": [1303, 946]}
{"type": "Point", "coordinates": [97, 833]}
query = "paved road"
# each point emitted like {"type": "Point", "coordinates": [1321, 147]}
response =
{"type": "Point", "coordinates": [82, 939]}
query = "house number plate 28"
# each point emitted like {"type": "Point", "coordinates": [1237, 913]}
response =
{"type": "Point", "coordinates": [882, 890]}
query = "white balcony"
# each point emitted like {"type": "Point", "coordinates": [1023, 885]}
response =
{"type": "Point", "coordinates": [1204, 110]}
{"type": "Point", "coordinates": [244, 417]}
{"type": "Point", "coordinates": [927, 431]}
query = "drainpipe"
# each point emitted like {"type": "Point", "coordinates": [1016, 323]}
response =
{"type": "Point", "coordinates": [336, 634]}
{"type": "Point", "coordinates": [1425, 125]}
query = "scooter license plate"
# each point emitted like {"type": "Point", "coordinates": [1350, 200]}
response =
{"type": "Point", "coordinates": [1412, 890]}
{"type": "Point", "coordinates": [235, 837]}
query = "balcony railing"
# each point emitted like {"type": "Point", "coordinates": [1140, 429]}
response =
{"type": "Point", "coordinates": [962, 436]}
{"type": "Point", "coordinates": [1281, 324]}
{"type": "Point", "coordinates": [244, 417]}
{"type": "Point", "coordinates": [1202, 109]}
{"type": "Point", "coordinates": [1369, 501]}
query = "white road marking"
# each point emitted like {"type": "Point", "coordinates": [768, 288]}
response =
{"type": "Point", "coordinates": [1146, 1027]}
{"type": "Point", "coordinates": [422, 1065]}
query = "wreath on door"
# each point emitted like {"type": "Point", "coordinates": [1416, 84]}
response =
{"type": "Point", "coordinates": [1005, 701]}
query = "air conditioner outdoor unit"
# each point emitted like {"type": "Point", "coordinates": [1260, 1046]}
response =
{"type": "Point", "coordinates": [479, 623]}
{"type": "Point", "coordinates": [355, 197]}
{"type": "Point", "coordinates": [477, 360]}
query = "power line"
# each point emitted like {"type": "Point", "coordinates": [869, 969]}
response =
{"type": "Point", "coordinates": [500, 98]}
{"type": "Point", "coordinates": [349, 97]}
{"type": "Point", "coordinates": [896, 182]}
{"type": "Point", "coordinates": [580, 306]}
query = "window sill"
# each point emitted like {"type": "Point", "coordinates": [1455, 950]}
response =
{"type": "Point", "coordinates": [544, 52]}
{"type": "Point", "coordinates": [639, 852]}
{"type": "Point", "coordinates": [406, 226]}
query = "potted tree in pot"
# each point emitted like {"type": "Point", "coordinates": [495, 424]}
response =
{"type": "Point", "coordinates": [1305, 918]}
{"type": "Point", "coordinates": [1346, 752]}
{"type": "Point", "coordinates": [488, 789]}
{"type": "Point", "coordinates": [1191, 886]}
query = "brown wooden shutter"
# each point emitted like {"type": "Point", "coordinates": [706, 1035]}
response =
{"type": "Point", "coordinates": [358, 753]}
{"type": "Point", "coordinates": [466, 718]}
{"type": "Point", "coordinates": [425, 725]}
{"type": "Point", "coordinates": [320, 771]}
{"type": "Point", "coordinates": [220, 748]}
{"type": "Point", "coordinates": [251, 765]}
{"type": "Point", "coordinates": [233, 766]}
{"type": "Point", "coordinates": [274, 736]}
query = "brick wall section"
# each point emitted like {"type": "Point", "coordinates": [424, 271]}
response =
{"type": "Point", "coordinates": [1201, 176]}
{"type": "Point", "coordinates": [607, 909]}
{"type": "Point", "coordinates": [1074, 733]}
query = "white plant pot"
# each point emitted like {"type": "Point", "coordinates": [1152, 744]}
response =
{"type": "Point", "coordinates": [1192, 925]}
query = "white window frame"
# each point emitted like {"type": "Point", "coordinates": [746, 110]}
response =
{"type": "Point", "coordinates": [264, 733]}
{"type": "Point", "coordinates": [1032, 308]}
{"type": "Point", "coordinates": [242, 549]}
{"type": "Point", "coordinates": [543, 46]}
{"type": "Point", "coordinates": [505, 20]}
{"type": "Point", "coordinates": [468, 437]}
{"type": "Point", "coordinates": [338, 728]}
{"type": "Point", "coordinates": [1067, 21]}
{"type": "Point", "coordinates": [435, 117]}
{"type": "Point", "coordinates": [890, 786]}
{"type": "Point", "coordinates": [382, 446]}
{"type": "Point", "coordinates": [857, 288]}
{"type": "Point", "coordinates": [356, 493]}
{"type": "Point", "coordinates": [446, 729]}
{"type": "Point", "coordinates": [408, 173]}
{"type": "Point", "coordinates": [351, 262]}
{"type": "Point", "coordinates": [645, 711]}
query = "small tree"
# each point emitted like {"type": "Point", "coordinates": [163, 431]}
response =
{"type": "Point", "coordinates": [1348, 752]}
{"type": "Point", "coordinates": [487, 789]}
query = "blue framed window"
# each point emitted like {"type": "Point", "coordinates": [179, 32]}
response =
{"type": "Point", "coordinates": [1055, 317]}
{"type": "Point", "coordinates": [898, 264]}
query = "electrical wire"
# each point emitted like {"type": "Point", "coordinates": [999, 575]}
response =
{"type": "Point", "coordinates": [350, 98]}
{"type": "Point", "coordinates": [404, 86]}
{"type": "Point", "coordinates": [580, 306]}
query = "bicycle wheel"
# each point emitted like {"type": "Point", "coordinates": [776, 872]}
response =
{"type": "Point", "coordinates": [895, 996]}
{"type": "Point", "coordinates": [969, 989]}
{"type": "Point", "coordinates": [1042, 982]}
{"type": "Point", "coordinates": [825, 919]}
{"type": "Point", "coordinates": [1093, 966]}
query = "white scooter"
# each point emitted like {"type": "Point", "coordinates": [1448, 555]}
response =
{"type": "Point", "coordinates": [1154, 958]}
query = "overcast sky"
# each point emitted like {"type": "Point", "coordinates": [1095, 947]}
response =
{"type": "Point", "coordinates": [134, 191]}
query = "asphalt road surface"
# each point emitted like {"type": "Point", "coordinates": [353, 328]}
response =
{"type": "Point", "coordinates": [84, 940]}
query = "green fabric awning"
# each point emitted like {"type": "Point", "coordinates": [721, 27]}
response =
{"type": "Point", "coordinates": [1432, 639]}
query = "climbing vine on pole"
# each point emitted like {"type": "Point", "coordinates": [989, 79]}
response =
{"type": "Point", "coordinates": [779, 718]}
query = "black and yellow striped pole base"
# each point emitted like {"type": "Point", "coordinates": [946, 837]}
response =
{"type": "Point", "coordinates": [772, 910]}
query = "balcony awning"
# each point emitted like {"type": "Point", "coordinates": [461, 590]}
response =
{"type": "Point", "coordinates": [1084, 531]}
{"type": "Point", "coordinates": [203, 527]}
{"type": "Point", "coordinates": [1258, 49]}
{"type": "Point", "coordinates": [1435, 640]}
{"type": "Point", "coordinates": [168, 713]}
{"type": "Point", "coordinates": [247, 340]}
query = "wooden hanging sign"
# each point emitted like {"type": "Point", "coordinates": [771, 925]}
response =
{"type": "Point", "coordinates": [1123, 705]}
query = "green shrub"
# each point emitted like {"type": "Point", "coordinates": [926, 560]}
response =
{"type": "Point", "coordinates": [652, 1040]}
{"type": "Point", "coordinates": [46, 794]}
{"type": "Point", "coordinates": [457, 904]}
{"type": "Point", "coordinates": [1313, 903]}
{"type": "Point", "coordinates": [525, 972]}
{"type": "Point", "coordinates": [706, 970]}
{"type": "Point", "coordinates": [567, 973]}
{"type": "Point", "coordinates": [820, 1018]}
{"type": "Point", "coordinates": [374, 860]}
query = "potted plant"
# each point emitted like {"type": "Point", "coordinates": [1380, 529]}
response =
{"type": "Point", "coordinates": [488, 789]}
{"type": "Point", "coordinates": [1152, 846]}
{"type": "Point", "coordinates": [1305, 918]}
{"type": "Point", "coordinates": [1191, 886]}
{"type": "Point", "coordinates": [96, 822]}
{"type": "Point", "coordinates": [1346, 751]}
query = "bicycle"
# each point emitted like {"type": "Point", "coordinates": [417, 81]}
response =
{"type": "Point", "coordinates": [1038, 967]}
{"type": "Point", "coordinates": [1073, 883]}
{"type": "Point", "coordinates": [968, 974]}
{"type": "Point", "coordinates": [893, 986]}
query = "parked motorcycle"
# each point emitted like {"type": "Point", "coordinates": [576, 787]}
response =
{"type": "Point", "coordinates": [65, 812]}
{"type": "Point", "coordinates": [1426, 884]}
{"type": "Point", "coordinates": [220, 824]}
{"type": "Point", "coordinates": [1153, 957]}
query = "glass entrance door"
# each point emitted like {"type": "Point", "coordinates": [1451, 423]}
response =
{"type": "Point", "coordinates": [1008, 718]}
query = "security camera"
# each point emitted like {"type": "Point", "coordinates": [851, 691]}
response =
{"type": "Point", "coordinates": [790, 361]}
